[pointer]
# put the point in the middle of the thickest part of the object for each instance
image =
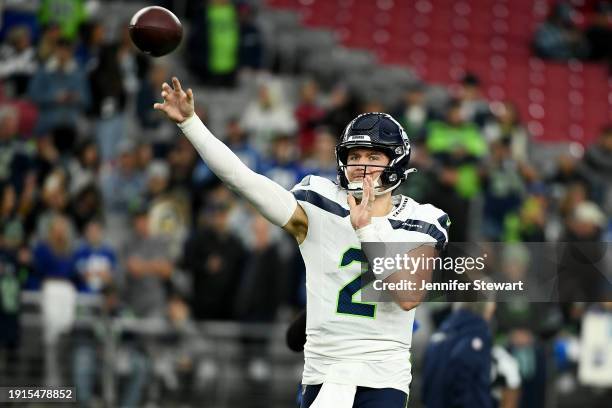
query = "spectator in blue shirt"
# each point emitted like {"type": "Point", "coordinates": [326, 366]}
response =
{"type": "Point", "coordinates": [283, 167]}
{"type": "Point", "coordinates": [95, 262]}
{"type": "Point", "coordinates": [52, 257]}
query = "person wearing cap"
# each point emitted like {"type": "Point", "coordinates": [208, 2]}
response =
{"type": "Point", "coordinates": [581, 264]}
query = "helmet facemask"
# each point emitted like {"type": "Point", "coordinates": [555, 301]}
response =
{"type": "Point", "coordinates": [388, 179]}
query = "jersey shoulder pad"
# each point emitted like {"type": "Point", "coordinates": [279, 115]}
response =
{"type": "Point", "coordinates": [321, 193]}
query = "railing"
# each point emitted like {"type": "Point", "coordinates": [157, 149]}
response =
{"type": "Point", "coordinates": [209, 364]}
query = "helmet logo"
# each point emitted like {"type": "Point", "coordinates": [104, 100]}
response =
{"type": "Point", "coordinates": [393, 178]}
{"type": "Point", "coordinates": [398, 150]}
{"type": "Point", "coordinates": [358, 137]}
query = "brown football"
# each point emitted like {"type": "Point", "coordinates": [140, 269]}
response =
{"type": "Point", "coordinates": [155, 31]}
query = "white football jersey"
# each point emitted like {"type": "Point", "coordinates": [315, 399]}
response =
{"type": "Point", "coordinates": [348, 341]}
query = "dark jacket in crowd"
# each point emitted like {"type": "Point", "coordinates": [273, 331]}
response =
{"type": "Point", "coordinates": [215, 262]}
{"type": "Point", "coordinates": [457, 366]}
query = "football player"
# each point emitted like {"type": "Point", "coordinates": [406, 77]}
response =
{"type": "Point", "coordinates": [357, 354]}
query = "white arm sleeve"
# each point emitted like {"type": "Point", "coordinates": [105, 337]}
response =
{"type": "Point", "coordinates": [271, 200]}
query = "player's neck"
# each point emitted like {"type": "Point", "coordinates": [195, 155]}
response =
{"type": "Point", "coordinates": [382, 205]}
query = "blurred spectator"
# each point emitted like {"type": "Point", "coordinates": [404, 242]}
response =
{"type": "Point", "coordinates": [52, 255]}
{"type": "Point", "coordinates": [182, 159]}
{"type": "Point", "coordinates": [557, 38]}
{"type": "Point", "coordinates": [268, 116]}
{"type": "Point", "coordinates": [503, 190]}
{"type": "Point", "coordinates": [55, 276]}
{"type": "Point", "coordinates": [60, 90]}
{"type": "Point", "coordinates": [598, 168]}
{"type": "Point", "coordinates": [251, 40]}
{"type": "Point", "coordinates": [594, 375]}
{"type": "Point", "coordinates": [413, 112]}
{"type": "Point", "coordinates": [148, 270]}
{"type": "Point", "coordinates": [457, 368]}
{"type": "Point", "coordinates": [18, 60]}
{"type": "Point", "coordinates": [86, 204]}
{"type": "Point", "coordinates": [261, 289]}
{"type": "Point", "coordinates": [170, 212]}
{"type": "Point", "coordinates": [67, 14]}
{"type": "Point", "coordinates": [91, 39]}
{"type": "Point", "coordinates": [238, 140]}
{"type": "Point", "coordinates": [215, 259]}
{"type": "Point", "coordinates": [12, 274]}
{"type": "Point", "coordinates": [308, 115]}
{"type": "Point", "coordinates": [581, 277]}
{"type": "Point", "coordinates": [94, 260]}
{"type": "Point", "coordinates": [123, 184]}
{"type": "Point", "coordinates": [148, 93]}
{"type": "Point", "coordinates": [576, 194]}
{"type": "Point", "coordinates": [507, 128]}
{"type": "Point", "coordinates": [283, 166]}
{"type": "Point", "coordinates": [14, 160]}
{"type": "Point", "coordinates": [176, 361]}
{"type": "Point", "coordinates": [341, 109]}
{"type": "Point", "coordinates": [474, 107]}
{"type": "Point", "coordinates": [506, 379]}
{"type": "Point", "coordinates": [152, 122]}
{"type": "Point", "coordinates": [599, 33]}
{"type": "Point", "coordinates": [259, 296]}
{"type": "Point", "coordinates": [134, 64]}
{"type": "Point", "coordinates": [91, 364]}
{"type": "Point", "coordinates": [214, 44]}
{"type": "Point", "coordinates": [108, 101]}
{"type": "Point", "coordinates": [569, 173]}
{"type": "Point", "coordinates": [54, 202]}
{"type": "Point", "coordinates": [530, 222]}
{"type": "Point", "coordinates": [10, 305]}
{"type": "Point", "coordinates": [456, 147]}
{"type": "Point", "coordinates": [48, 42]}
{"type": "Point", "coordinates": [84, 169]}
{"type": "Point", "coordinates": [322, 161]}
{"type": "Point", "coordinates": [530, 356]}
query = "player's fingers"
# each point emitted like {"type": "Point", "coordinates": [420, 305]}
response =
{"type": "Point", "coordinates": [166, 87]}
{"type": "Point", "coordinates": [176, 84]}
{"type": "Point", "coordinates": [189, 95]}
{"type": "Point", "coordinates": [371, 195]}
{"type": "Point", "coordinates": [351, 201]}
{"type": "Point", "coordinates": [158, 106]}
{"type": "Point", "coordinates": [164, 94]}
{"type": "Point", "coordinates": [365, 198]}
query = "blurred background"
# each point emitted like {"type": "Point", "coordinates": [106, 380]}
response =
{"type": "Point", "coordinates": [128, 271]}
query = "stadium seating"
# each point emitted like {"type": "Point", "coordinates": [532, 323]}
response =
{"type": "Point", "coordinates": [443, 39]}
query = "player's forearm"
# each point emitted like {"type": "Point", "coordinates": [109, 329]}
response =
{"type": "Point", "coordinates": [273, 202]}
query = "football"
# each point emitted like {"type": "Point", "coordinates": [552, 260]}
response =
{"type": "Point", "coordinates": [155, 30]}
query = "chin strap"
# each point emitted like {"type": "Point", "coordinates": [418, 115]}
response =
{"type": "Point", "coordinates": [356, 187]}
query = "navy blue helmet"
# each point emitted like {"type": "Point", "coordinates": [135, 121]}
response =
{"type": "Point", "coordinates": [378, 131]}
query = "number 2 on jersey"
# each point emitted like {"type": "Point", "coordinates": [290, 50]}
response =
{"type": "Point", "coordinates": [346, 305]}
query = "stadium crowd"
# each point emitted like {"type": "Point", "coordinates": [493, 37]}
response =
{"type": "Point", "coordinates": [100, 195]}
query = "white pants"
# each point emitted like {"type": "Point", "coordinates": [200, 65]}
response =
{"type": "Point", "coordinates": [58, 307]}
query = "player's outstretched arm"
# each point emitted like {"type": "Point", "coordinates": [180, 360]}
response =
{"type": "Point", "coordinates": [275, 203]}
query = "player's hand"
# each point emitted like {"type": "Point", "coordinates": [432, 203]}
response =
{"type": "Point", "coordinates": [178, 104]}
{"type": "Point", "coordinates": [361, 214]}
